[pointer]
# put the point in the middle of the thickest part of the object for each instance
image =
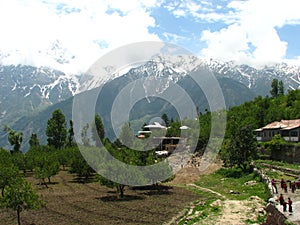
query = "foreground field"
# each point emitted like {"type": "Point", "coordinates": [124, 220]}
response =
{"type": "Point", "coordinates": [71, 202]}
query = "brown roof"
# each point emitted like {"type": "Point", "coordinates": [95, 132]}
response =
{"type": "Point", "coordinates": [283, 124]}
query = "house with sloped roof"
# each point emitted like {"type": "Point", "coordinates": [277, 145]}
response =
{"type": "Point", "coordinates": [288, 129]}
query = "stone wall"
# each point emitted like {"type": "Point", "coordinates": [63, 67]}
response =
{"type": "Point", "coordinates": [274, 217]}
{"type": "Point", "coordinates": [287, 153]}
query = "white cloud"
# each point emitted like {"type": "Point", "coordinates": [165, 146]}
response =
{"type": "Point", "coordinates": [252, 36]}
{"type": "Point", "coordinates": [230, 43]}
{"type": "Point", "coordinates": [29, 29]}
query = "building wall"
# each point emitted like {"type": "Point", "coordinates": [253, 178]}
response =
{"type": "Point", "coordinates": [288, 135]}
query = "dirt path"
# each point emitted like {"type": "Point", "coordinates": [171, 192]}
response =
{"type": "Point", "coordinates": [233, 212]}
{"type": "Point", "coordinates": [207, 190]}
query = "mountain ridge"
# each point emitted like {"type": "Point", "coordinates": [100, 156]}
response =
{"type": "Point", "coordinates": [26, 90]}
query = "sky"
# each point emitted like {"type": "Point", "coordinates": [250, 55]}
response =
{"type": "Point", "coordinates": [254, 32]}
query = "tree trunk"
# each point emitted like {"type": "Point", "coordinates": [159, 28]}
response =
{"type": "Point", "coordinates": [19, 215]}
{"type": "Point", "coordinates": [49, 181]}
{"type": "Point", "coordinates": [2, 192]}
{"type": "Point", "coordinates": [44, 182]}
{"type": "Point", "coordinates": [120, 189]}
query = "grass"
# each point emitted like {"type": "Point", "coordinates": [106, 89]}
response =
{"type": "Point", "coordinates": [226, 180]}
{"type": "Point", "coordinates": [279, 163]}
{"type": "Point", "coordinates": [207, 210]}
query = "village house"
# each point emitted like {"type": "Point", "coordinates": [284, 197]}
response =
{"type": "Point", "coordinates": [164, 145]}
{"type": "Point", "coordinates": [288, 129]}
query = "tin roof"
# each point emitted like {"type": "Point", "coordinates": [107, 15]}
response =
{"type": "Point", "coordinates": [283, 124]}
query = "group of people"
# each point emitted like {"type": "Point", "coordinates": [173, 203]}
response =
{"type": "Point", "coordinates": [283, 184]}
{"type": "Point", "coordinates": [284, 203]}
{"type": "Point", "coordinates": [293, 185]}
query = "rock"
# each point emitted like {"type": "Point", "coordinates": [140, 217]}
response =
{"type": "Point", "coordinates": [250, 183]}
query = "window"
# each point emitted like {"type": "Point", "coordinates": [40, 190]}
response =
{"type": "Point", "coordinates": [294, 133]}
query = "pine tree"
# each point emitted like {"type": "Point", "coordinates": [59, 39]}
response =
{"type": "Point", "coordinates": [56, 130]}
{"type": "Point", "coordinates": [70, 134]}
{"type": "Point", "coordinates": [34, 141]}
{"type": "Point", "coordinates": [98, 132]}
{"type": "Point", "coordinates": [274, 88]}
{"type": "Point", "coordinates": [280, 88]}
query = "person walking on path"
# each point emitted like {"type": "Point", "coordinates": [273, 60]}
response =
{"type": "Point", "coordinates": [290, 205]}
{"type": "Point", "coordinates": [273, 182]}
{"type": "Point", "coordinates": [284, 186]}
{"type": "Point", "coordinates": [281, 183]}
{"type": "Point", "coordinates": [293, 187]}
{"type": "Point", "coordinates": [284, 206]}
{"type": "Point", "coordinates": [281, 199]}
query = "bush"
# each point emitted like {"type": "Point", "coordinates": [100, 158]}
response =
{"type": "Point", "coordinates": [231, 172]}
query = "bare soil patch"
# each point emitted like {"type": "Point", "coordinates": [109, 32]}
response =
{"type": "Point", "coordinates": [191, 174]}
{"type": "Point", "coordinates": [70, 202]}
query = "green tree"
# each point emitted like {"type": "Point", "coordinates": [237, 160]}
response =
{"type": "Point", "coordinates": [34, 141]}
{"type": "Point", "coordinates": [84, 135]}
{"type": "Point", "coordinates": [8, 171]}
{"type": "Point", "coordinates": [274, 88]}
{"type": "Point", "coordinates": [46, 164]}
{"type": "Point", "coordinates": [241, 148]}
{"type": "Point", "coordinates": [70, 141]}
{"type": "Point", "coordinates": [19, 161]}
{"type": "Point", "coordinates": [98, 132]}
{"type": "Point", "coordinates": [165, 118]}
{"type": "Point", "coordinates": [111, 184]}
{"type": "Point", "coordinates": [56, 130]}
{"type": "Point", "coordinates": [126, 136]}
{"type": "Point", "coordinates": [80, 166]}
{"type": "Point", "coordinates": [7, 174]}
{"type": "Point", "coordinates": [280, 88]}
{"type": "Point", "coordinates": [174, 130]}
{"type": "Point", "coordinates": [14, 138]}
{"type": "Point", "coordinates": [20, 196]}
{"type": "Point", "coordinates": [275, 145]}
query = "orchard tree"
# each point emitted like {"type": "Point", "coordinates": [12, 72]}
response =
{"type": "Point", "coordinates": [111, 184]}
{"type": "Point", "coordinates": [14, 138]}
{"type": "Point", "coordinates": [7, 174]}
{"type": "Point", "coordinates": [80, 166]}
{"type": "Point", "coordinates": [46, 166]}
{"type": "Point", "coordinates": [20, 196]}
{"type": "Point", "coordinates": [56, 130]}
{"type": "Point", "coordinates": [8, 171]}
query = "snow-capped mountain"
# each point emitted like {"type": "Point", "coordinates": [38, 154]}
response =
{"type": "Point", "coordinates": [25, 89]}
{"type": "Point", "coordinates": [176, 67]}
